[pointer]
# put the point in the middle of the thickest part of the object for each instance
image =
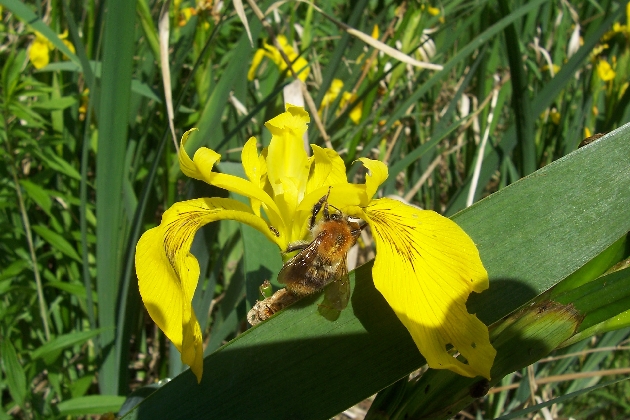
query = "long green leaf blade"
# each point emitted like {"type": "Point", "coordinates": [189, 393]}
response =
{"type": "Point", "coordinates": [112, 122]}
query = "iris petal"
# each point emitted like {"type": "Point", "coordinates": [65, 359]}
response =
{"type": "Point", "coordinates": [253, 166]}
{"type": "Point", "coordinates": [287, 163]}
{"type": "Point", "coordinates": [327, 168]}
{"type": "Point", "coordinates": [200, 167]}
{"type": "Point", "coordinates": [378, 174]}
{"type": "Point", "coordinates": [168, 272]}
{"type": "Point", "coordinates": [425, 267]}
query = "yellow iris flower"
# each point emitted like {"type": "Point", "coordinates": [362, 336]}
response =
{"type": "Point", "coordinates": [299, 63]}
{"type": "Point", "coordinates": [425, 266]}
{"type": "Point", "coordinates": [605, 71]}
{"type": "Point", "coordinates": [39, 53]}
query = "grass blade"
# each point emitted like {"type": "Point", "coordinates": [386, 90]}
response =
{"type": "Point", "coordinates": [520, 97]}
{"type": "Point", "coordinates": [113, 115]}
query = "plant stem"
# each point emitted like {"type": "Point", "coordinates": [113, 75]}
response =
{"type": "Point", "coordinates": [43, 310]}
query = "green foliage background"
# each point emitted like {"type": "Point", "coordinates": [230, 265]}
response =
{"type": "Point", "coordinates": [89, 164]}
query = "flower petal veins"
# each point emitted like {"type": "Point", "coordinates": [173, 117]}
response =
{"type": "Point", "coordinates": [425, 267]}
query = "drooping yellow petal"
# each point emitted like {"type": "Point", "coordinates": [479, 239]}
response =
{"type": "Point", "coordinates": [425, 267]}
{"type": "Point", "coordinates": [378, 173]}
{"type": "Point", "coordinates": [168, 272]}
{"type": "Point", "coordinates": [200, 167]}
{"type": "Point", "coordinates": [327, 168]}
{"type": "Point", "coordinates": [251, 163]}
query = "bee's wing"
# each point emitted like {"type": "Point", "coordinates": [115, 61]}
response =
{"type": "Point", "coordinates": [295, 270]}
{"type": "Point", "coordinates": [336, 294]}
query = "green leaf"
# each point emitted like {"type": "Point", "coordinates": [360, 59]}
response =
{"type": "Point", "coordinates": [14, 373]}
{"type": "Point", "coordinates": [531, 235]}
{"type": "Point", "coordinates": [57, 241]}
{"type": "Point", "coordinates": [51, 349]}
{"type": "Point", "coordinates": [90, 404]}
{"type": "Point", "coordinates": [60, 165]}
{"type": "Point", "coordinates": [114, 110]}
{"type": "Point", "coordinates": [39, 195]}
{"type": "Point", "coordinates": [76, 289]}
{"type": "Point", "coordinates": [601, 299]}
{"type": "Point", "coordinates": [56, 104]}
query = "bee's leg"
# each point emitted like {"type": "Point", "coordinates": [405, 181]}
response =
{"type": "Point", "coordinates": [317, 207]}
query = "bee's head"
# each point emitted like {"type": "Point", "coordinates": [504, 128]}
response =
{"type": "Point", "coordinates": [356, 226]}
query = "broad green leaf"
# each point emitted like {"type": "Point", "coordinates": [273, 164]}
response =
{"type": "Point", "coordinates": [55, 104]}
{"type": "Point", "coordinates": [114, 110]}
{"type": "Point", "coordinates": [90, 404]}
{"type": "Point", "coordinates": [531, 235]}
{"type": "Point", "coordinates": [39, 195]}
{"type": "Point", "coordinates": [57, 241]}
{"type": "Point", "coordinates": [601, 299]}
{"type": "Point", "coordinates": [594, 268]}
{"type": "Point", "coordinates": [15, 376]}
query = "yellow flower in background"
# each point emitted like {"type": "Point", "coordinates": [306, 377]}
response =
{"type": "Point", "coordinates": [299, 63]}
{"type": "Point", "coordinates": [85, 98]}
{"type": "Point", "coordinates": [555, 116]}
{"type": "Point", "coordinates": [554, 67]}
{"type": "Point", "coordinates": [39, 53]}
{"type": "Point", "coordinates": [67, 43]}
{"type": "Point", "coordinates": [346, 98]}
{"type": "Point", "coordinates": [587, 132]}
{"type": "Point", "coordinates": [375, 32]}
{"type": "Point", "coordinates": [605, 71]}
{"type": "Point", "coordinates": [425, 265]}
{"type": "Point", "coordinates": [433, 11]}
{"type": "Point", "coordinates": [185, 15]}
{"type": "Point", "coordinates": [331, 94]}
{"type": "Point", "coordinates": [357, 111]}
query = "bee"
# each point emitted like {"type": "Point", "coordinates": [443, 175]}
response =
{"type": "Point", "coordinates": [317, 264]}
